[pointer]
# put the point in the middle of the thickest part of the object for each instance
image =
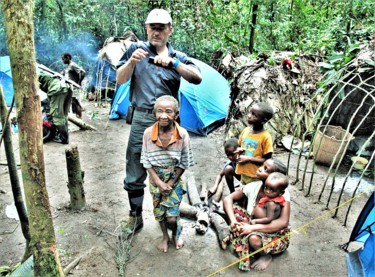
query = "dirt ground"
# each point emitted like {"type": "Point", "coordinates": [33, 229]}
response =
{"type": "Point", "coordinates": [92, 232]}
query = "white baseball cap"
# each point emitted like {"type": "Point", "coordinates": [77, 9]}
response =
{"type": "Point", "coordinates": [159, 16]}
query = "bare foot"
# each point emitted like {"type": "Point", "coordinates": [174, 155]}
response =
{"type": "Point", "coordinates": [262, 263]}
{"type": "Point", "coordinates": [163, 246]}
{"type": "Point", "coordinates": [179, 243]}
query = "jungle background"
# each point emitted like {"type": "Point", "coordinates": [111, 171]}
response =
{"type": "Point", "coordinates": [202, 29]}
{"type": "Point", "coordinates": [332, 31]}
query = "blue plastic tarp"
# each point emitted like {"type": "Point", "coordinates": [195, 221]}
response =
{"type": "Point", "coordinates": [362, 262]}
{"type": "Point", "coordinates": [203, 107]}
{"type": "Point", "coordinates": [120, 102]}
{"type": "Point", "coordinates": [6, 81]}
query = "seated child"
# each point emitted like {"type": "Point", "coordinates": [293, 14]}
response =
{"type": "Point", "coordinates": [230, 146]}
{"type": "Point", "coordinates": [269, 206]}
{"type": "Point", "coordinates": [237, 214]}
{"type": "Point", "coordinates": [255, 143]}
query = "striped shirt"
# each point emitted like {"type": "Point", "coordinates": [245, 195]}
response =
{"type": "Point", "coordinates": [177, 154]}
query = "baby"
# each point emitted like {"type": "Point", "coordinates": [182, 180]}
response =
{"type": "Point", "coordinates": [269, 206]}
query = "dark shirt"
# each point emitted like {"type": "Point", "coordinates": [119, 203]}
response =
{"type": "Point", "coordinates": [149, 81]}
{"type": "Point", "coordinates": [74, 72]}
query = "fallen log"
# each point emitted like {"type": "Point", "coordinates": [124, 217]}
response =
{"type": "Point", "coordinates": [222, 229]}
{"type": "Point", "coordinates": [202, 214]}
{"type": "Point", "coordinates": [219, 192]}
{"type": "Point", "coordinates": [188, 210]}
{"type": "Point", "coordinates": [80, 123]}
{"type": "Point", "coordinates": [203, 194]}
{"type": "Point", "coordinates": [192, 190]}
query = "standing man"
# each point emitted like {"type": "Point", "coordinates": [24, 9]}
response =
{"type": "Point", "coordinates": [75, 73]}
{"type": "Point", "coordinates": [155, 69]}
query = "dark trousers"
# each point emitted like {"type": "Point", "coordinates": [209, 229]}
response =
{"type": "Point", "coordinates": [135, 172]}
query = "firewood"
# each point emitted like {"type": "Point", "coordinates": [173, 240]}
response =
{"type": "Point", "coordinates": [80, 123]}
{"type": "Point", "coordinates": [188, 210]}
{"type": "Point", "coordinates": [192, 190]}
{"type": "Point", "coordinates": [222, 228]}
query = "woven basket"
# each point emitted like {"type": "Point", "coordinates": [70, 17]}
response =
{"type": "Point", "coordinates": [330, 144]}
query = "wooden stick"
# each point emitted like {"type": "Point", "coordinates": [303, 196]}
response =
{"type": "Point", "coordinates": [71, 266]}
{"type": "Point", "coordinates": [45, 68]}
{"type": "Point", "coordinates": [80, 123]}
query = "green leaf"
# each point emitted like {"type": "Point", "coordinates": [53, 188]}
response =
{"type": "Point", "coordinates": [369, 62]}
{"type": "Point", "coordinates": [336, 58]}
{"type": "Point", "coordinates": [352, 47]}
{"type": "Point", "coordinates": [326, 65]}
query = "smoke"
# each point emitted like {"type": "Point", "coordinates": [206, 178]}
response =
{"type": "Point", "coordinates": [83, 48]}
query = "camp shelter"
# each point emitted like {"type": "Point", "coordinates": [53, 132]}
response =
{"type": "Point", "coordinates": [6, 82]}
{"type": "Point", "coordinates": [362, 261]}
{"type": "Point", "coordinates": [203, 107]}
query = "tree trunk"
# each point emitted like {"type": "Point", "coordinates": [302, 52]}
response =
{"type": "Point", "coordinates": [14, 180]}
{"type": "Point", "coordinates": [75, 179]}
{"type": "Point", "coordinates": [252, 27]}
{"type": "Point", "coordinates": [19, 28]}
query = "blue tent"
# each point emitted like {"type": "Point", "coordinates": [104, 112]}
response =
{"type": "Point", "coordinates": [203, 107]}
{"type": "Point", "coordinates": [6, 79]}
{"type": "Point", "coordinates": [362, 262]}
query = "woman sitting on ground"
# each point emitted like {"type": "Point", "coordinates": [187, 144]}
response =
{"type": "Point", "coordinates": [251, 237]}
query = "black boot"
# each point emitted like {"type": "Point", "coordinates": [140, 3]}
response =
{"type": "Point", "coordinates": [63, 134]}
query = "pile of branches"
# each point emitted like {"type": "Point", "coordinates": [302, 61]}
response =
{"type": "Point", "coordinates": [283, 81]}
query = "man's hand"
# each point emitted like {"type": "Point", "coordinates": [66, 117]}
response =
{"type": "Point", "coordinates": [163, 61]}
{"type": "Point", "coordinates": [138, 55]}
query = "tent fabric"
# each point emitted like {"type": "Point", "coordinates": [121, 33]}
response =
{"type": "Point", "coordinates": [365, 224]}
{"type": "Point", "coordinates": [203, 107]}
{"type": "Point", "coordinates": [6, 81]}
{"type": "Point", "coordinates": [353, 264]}
{"type": "Point", "coordinates": [120, 102]}
{"type": "Point", "coordinates": [361, 262]}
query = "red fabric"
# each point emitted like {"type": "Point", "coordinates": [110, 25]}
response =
{"type": "Point", "coordinates": [278, 200]}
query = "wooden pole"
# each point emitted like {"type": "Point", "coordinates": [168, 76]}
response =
{"type": "Point", "coordinates": [13, 175]}
{"type": "Point", "coordinates": [80, 123]}
{"type": "Point", "coordinates": [75, 179]}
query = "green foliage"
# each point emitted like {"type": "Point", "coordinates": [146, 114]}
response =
{"type": "Point", "coordinates": [61, 231]}
{"type": "Point", "coordinates": [201, 27]}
